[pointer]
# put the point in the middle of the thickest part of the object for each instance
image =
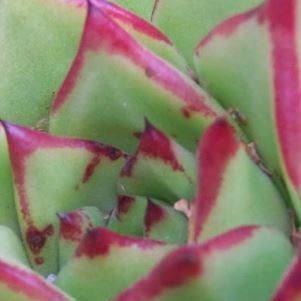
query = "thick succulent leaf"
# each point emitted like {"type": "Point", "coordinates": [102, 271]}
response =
{"type": "Point", "coordinates": [232, 189]}
{"type": "Point", "coordinates": [160, 168]}
{"type": "Point", "coordinates": [225, 268]}
{"type": "Point", "coordinates": [250, 62]}
{"type": "Point", "coordinates": [165, 223]}
{"type": "Point", "coordinates": [106, 263]}
{"type": "Point", "coordinates": [8, 216]}
{"type": "Point", "coordinates": [186, 22]}
{"type": "Point", "coordinates": [53, 175]}
{"type": "Point", "coordinates": [142, 8]}
{"type": "Point", "coordinates": [17, 283]}
{"type": "Point", "coordinates": [144, 32]}
{"type": "Point", "coordinates": [11, 247]}
{"type": "Point", "coordinates": [90, 105]}
{"type": "Point", "coordinates": [289, 288]}
{"type": "Point", "coordinates": [73, 227]}
{"type": "Point", "coordinates": [128, 216]}
{"type": "Point", "coordinates": [38, 41]}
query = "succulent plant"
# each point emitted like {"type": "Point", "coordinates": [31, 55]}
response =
{"type": "Point", "coordinates": [131, 172]}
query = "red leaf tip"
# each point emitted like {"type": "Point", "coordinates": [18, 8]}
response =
{"type": "Point", "coordinates": [216, 148]}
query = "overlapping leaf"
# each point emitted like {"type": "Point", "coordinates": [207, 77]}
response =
{"type": "Point", "coordinates": [250, 62]}
{"type": "Point", "coordinates": [89, 105]}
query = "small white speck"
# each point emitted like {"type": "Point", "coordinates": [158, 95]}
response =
{"type": "Point", "coordinates": [51, 278]}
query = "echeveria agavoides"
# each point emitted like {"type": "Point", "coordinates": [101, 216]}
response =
{"type": "Point", "coordinates": [131, 170]}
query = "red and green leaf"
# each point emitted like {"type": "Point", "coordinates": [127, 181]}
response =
{"type": "Point", "coordinates": [128, 216]}
{"type": "Point", "coordinates": [53, 175]}
{"type": "Point", "coordinates": [39, 39]}
{"type": "Point", "coordinates": [148, 87]}
{"type": "Point", "coordinates": [289, 288]}
{"type": "Point", "coordinates": [225, 268]}
{"type": "Point", "coordinates": [21, 284]}
{"type": "Point", "coordinates": [165, 223]}
{"type": "Point", "coordinates": [160, 168]}
{"type": "Point", "coordinates": [232, 190]}
{"type": "Point", "coordinates": [250, 62]}
{"type": "Point", "coordinates": [73, 227]}
{"type": "Point", "coordinates": [144, 32]}
{"type": "Point", "coordinates": [106, 263]}
{"type": "Point", "coordinates": [187, 22]}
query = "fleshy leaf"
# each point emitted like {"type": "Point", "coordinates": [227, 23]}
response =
{"type": "Point", "coordinates": [106, 263]}
{"type": "Point", "coordinates": [18, 283]}
{"type": "Point", "coordinates": [187, 22]}
{"type": "Point", "coordinates": [145, 33]}
{"type": "Point", "coordinates": [8, 216]}
{"type": "Point", "coordinates": [89, 105]}
{"type": "Point", "coordinates": [53, 175]}
{"type": "Point", "coordinates": [11, 247]}
{"type": "Point", "coordinates": [160, 168]}
{"type": "Point", "coordinates": [223, 269]}
{"type": "Point", "coordinates": [39, 39]}
{"type": "Point", "coordinates": [128, 216]}
{"type": "Point", "coordinates": [73, 227]}
{"type": "Point", "coordinates": [247, 64]}
{"type": "Point", "coordinates": [165, 223]}
{"type": "Point", "coordinates": [232, 190]}
{"type": "Point", "coordinates": [289, 288]}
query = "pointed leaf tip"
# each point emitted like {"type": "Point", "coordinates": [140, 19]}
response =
{"type": "Point", "coordinates": [216, 148]}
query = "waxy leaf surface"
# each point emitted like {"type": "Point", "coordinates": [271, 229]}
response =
{"type": "Point", "coordinates": [105, 263]}
{"type": "Point", "coordinates": [225, 268]}
{"type": "Point", "coordinates": [232, 189]}
{"type": "Point", "coordinates": [186, 22]}
{"type": "Point", "coordinates": [38, 41]}
{"type": "Point", "coordinates": [89, 104]}
{"type": "Point", "coordinates": [160, 168]}
{"type": "Point", "coordinates": [251, 63]}
{"type": "Point", "coordinates": [73, 227]}
{"type": "Point", "coordinates": [54, 175]}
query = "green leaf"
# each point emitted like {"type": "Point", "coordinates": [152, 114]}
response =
{"type": "Point", "coordinates": [186, 22]}
{"type": "Point", "coordinates": [53, 175]}
{"type": "Point", "coordinates": [225, 268]}
{"type": "Point", "coordinates": [115, 82]}
{"type": "Point", "coordinates": [246, 64]}
{"type": "Point", "coordinates": [232, 190]}
{"type": "Point", "coordinates": [38, 41]}
{"type": "Point", "coordinates": [18, 283]}
{"type": "Point", "coordinates": [106, 263]}
{"type": "Point", "coordinates": [165, 223]}
{"type": "Point", "coordinates": [73, 226]}
{"type": "Point", "coordinates": [11, 247]}
{"type": "Point", "coordinates": [160, 168]}
{"type": "Point", "coordinates": [8, 216]}
{"type": "Point", "coordinates": [144, 32]}
{"type": "Point", "coordinates": [128, 216]}
{"type": "Point", "coordinates": [289, 288]}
